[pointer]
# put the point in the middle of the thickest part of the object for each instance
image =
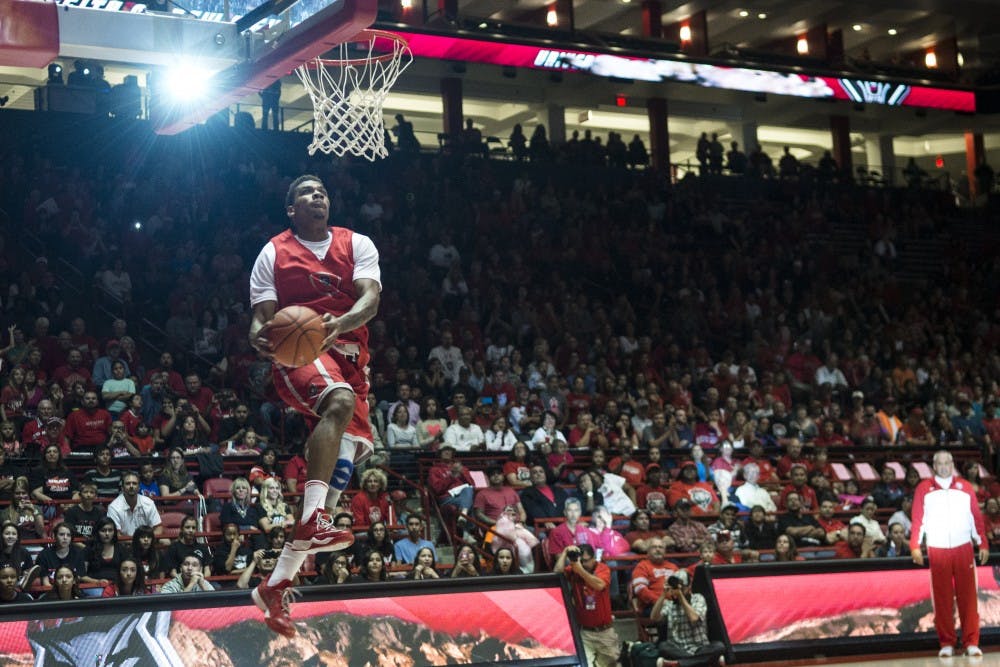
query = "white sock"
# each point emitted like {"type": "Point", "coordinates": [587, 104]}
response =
{"type": "Point", "coordinates": [288, 565]}
{"type": "Point", "coordinates": [314, 497]}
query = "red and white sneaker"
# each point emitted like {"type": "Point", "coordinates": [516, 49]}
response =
{"type": "Point", "coordinates": [317, 533]}
{"type": "Point", "coordinates": [276, 601]}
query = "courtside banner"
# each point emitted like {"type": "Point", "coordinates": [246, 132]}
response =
{"type": "Point", "coordinates": [509, 620]}
{"type": "Point", "coordinates": [859, 89]}
{"type": "Point", "coordinates": [831, 607]}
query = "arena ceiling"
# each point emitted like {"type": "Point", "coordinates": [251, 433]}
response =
{"type": "Point", "coordinates": [865, 24]}
{"type": "Point", "coordinates": [497, 101]}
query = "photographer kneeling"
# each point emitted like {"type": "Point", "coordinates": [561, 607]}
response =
{"type": "Point", "coordinates": [683, 624]}
{"type": "Point", "coordinates": [590, 581]}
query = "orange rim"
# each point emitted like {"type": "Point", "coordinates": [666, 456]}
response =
{"type": "Point", "coordinates": [366, 36]}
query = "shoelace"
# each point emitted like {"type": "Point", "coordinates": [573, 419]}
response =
{"type": "Point", "coordinates": [324, 521]}
{"type": "Point", "coordinates": [288, 596]}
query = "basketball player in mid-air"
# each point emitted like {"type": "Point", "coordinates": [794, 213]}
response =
{"type": "Point", "coordinates": [336, 273]}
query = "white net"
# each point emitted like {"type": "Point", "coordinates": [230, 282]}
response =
{"type": "Point", "coordinates": [348, 92]}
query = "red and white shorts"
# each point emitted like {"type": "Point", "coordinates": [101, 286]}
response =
{"type": "Point", "coordinates": [305, 388]}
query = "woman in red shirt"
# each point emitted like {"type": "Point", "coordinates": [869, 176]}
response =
{"type": "Point", "coordinates": [371, 504]}
{"type": "Point", "coordinates": [515, 470]}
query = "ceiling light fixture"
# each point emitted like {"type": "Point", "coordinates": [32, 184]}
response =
{"type": "Point", "coordinates": [762, 16]}
{"type": "Point", "coordinates": [892, 31]}
{"type": "Point", "coordinates": [744, 13]}
{"type": "Point", "coordinates": [856, 27]}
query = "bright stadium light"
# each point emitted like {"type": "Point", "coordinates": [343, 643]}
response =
{"type": "Point", "coordinates": [186, 82]}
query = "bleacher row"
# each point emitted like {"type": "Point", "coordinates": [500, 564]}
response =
{"type": "Point", "coordinates": [173, 511]}
{"type": "Point", "coordinates": [858, 464]}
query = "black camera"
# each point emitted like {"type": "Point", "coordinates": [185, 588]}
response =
{"type": "Point", "coordinates": [573, 556]}
{"type": "Point", "coordinates": [674, 582]}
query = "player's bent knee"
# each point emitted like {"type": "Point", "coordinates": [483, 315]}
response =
{"type": "Point", "coordinates": [338, 405]}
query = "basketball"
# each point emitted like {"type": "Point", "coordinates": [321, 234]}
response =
{"type": "Point", "coordinates": [296, 334]}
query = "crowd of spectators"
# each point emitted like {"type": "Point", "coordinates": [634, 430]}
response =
{"type": "Point", "coordinates": [643, 348]}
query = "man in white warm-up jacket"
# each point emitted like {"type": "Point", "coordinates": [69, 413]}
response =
{"type": "Point", "coordinates": [946, 513]}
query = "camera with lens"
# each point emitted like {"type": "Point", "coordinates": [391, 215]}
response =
{"type": "Point", "coordinates": [674, 582]}
{"type": "Point", "coordinates": [573, 556]}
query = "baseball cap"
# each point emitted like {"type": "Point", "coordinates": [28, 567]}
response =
{"type": "Point", "coordinates": [683, 503]}
{"type": "Point", "coordinates": [682, 576]}
{"type": "Point", "coordinates": [112, 343]}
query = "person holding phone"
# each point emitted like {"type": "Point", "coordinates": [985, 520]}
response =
{"type": "Point", "coordinates": [466, 563]}
{"type": "Point", "coordinates": [262, 563]}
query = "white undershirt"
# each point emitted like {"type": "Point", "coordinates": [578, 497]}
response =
{"type": "Point", "coordinates": [262, 286]}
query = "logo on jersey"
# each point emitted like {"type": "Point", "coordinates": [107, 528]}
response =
{"type": "Point", "coordinates": [326, 283]}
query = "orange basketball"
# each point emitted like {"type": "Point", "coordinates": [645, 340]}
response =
{"type": "Point", "coordinates": [296, 334]}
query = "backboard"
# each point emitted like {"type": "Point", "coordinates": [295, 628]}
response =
{"type": "Point", "coordinates": [242, 45]}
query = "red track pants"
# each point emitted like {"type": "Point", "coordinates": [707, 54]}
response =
{"type": "Point", "coordinates": [953, 577]}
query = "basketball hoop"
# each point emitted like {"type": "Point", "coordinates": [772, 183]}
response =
{"type": "Point", "coordinates": [348, 92]}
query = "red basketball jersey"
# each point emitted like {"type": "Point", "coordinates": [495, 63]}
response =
{"type": "Point", "coordinates": [325, 285]}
